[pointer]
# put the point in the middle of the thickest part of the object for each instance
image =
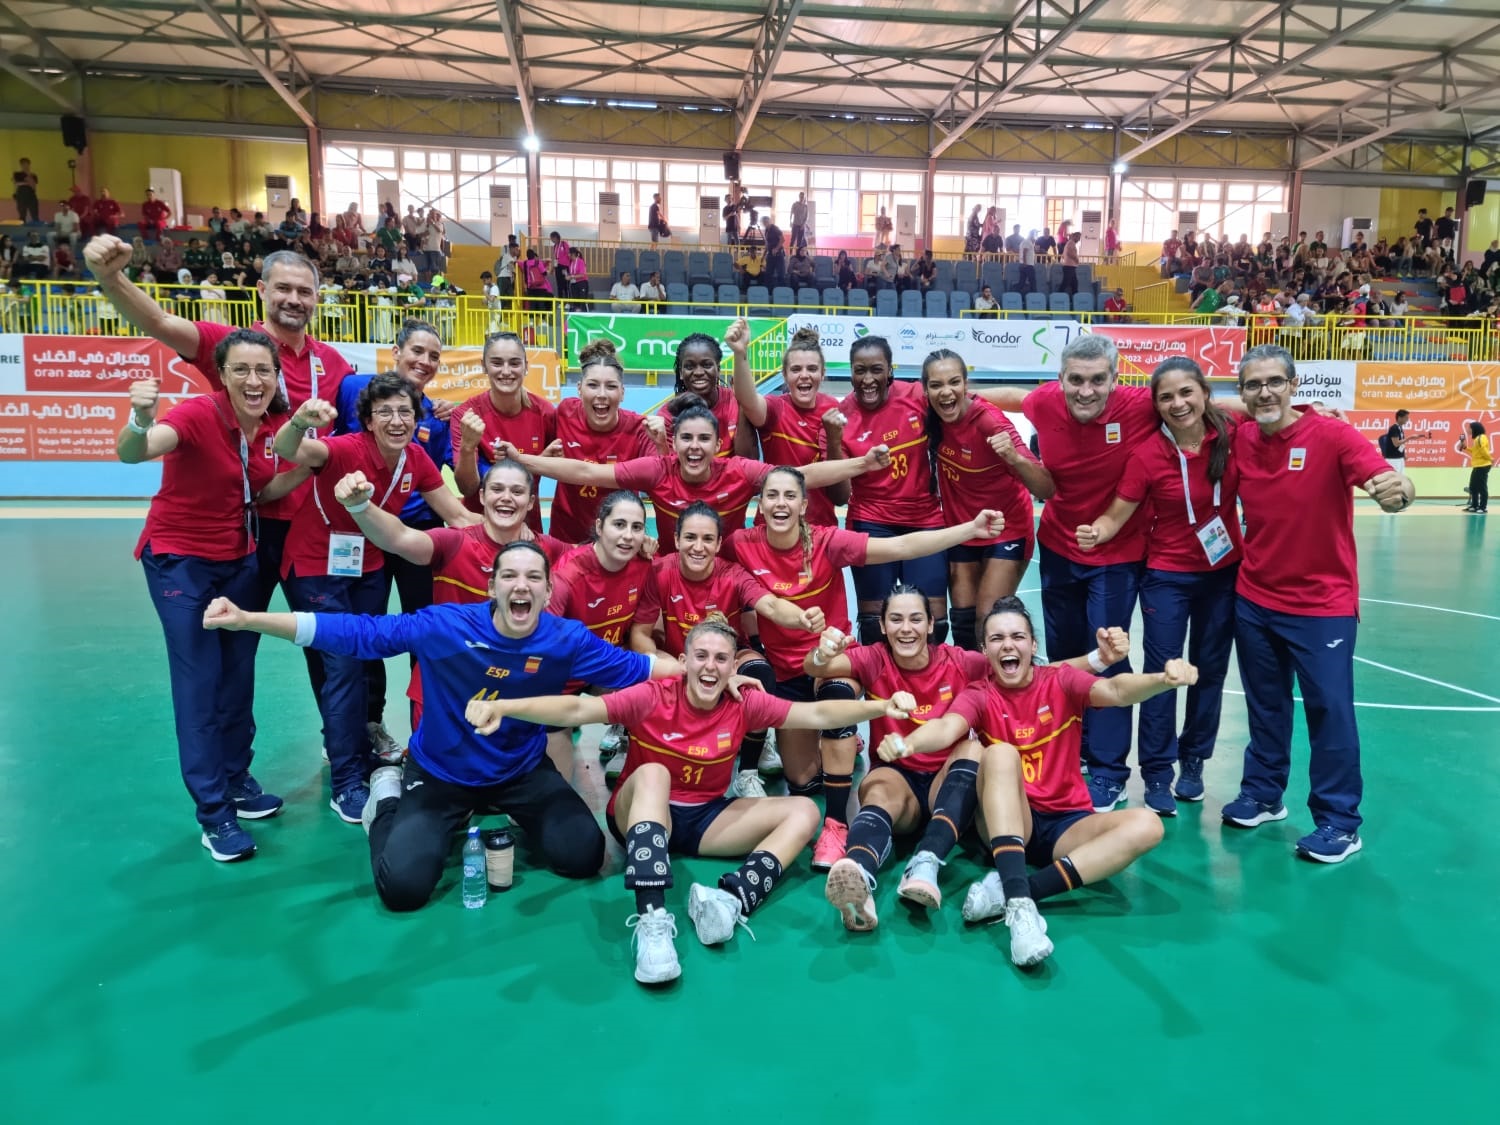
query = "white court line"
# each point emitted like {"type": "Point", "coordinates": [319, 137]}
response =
{"type": "Point", "coordinates": [1396, 706]}
{"type": "Point", "coordinates": [1435, 608]}
{"type": "Point", "coordinates": [1429, 680]}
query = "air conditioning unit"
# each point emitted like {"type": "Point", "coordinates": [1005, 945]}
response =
{"type": "Point", "coordinates": [1187, 223]}
{"type": "Point", "coordinates": [502, 225]}
{"type": "Point", "coordinates": [279, 194]}
{"type": "Point", "coordinates": [609, 216]}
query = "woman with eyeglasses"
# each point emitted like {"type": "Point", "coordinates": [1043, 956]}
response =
{"type": "Point", "coordinates": [506, 412]}
{"type": "Point", "coordinates": [330, 567]}
{"type": "Point", "coordinates": [218, 461]}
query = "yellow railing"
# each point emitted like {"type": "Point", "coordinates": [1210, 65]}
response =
{"type": "Point", "coordinates": [464, 321]}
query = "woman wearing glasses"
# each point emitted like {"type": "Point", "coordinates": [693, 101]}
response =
{"type": "Point", "coordinates": [199, 544]}
{"type": "Point", "coordinates": [329, 567]}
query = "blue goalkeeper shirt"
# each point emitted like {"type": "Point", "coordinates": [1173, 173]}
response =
{"type": "Point", "coordinates": [462, 656]}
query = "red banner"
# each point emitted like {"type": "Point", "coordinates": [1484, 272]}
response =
{"type": "Point", "coordinates": [1431, 435]}
{"type": "Point", "coordinates": [81, 365]}
{"type": "Point", "coordinates": [1143, 346]}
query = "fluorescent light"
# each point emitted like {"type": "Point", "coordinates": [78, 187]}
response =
{"type": "Point", "coordinates": [531, 143]}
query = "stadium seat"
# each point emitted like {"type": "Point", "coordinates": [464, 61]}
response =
{"type": "Point", "coordinates": [823, 270]}
{"type": "Point", "coordinates": [723, 269]}
{"type": "Point", "coordinates": [833, 297]}
{"type": "Point", "coordinates": [886, 303]}
{"type": "Point", "coordinates": [625, 260]}
{"type": "Point", "coordinates": [1036, 305]}
{"type": "Point", "coordinates": [1059, 303]}
{"type": "Point", "coordinates": [703, 300]}
{"type": "Point", "coordinates": [942, 275]}
{"type": "Point", "coordinates": [993, 275]}
{"type": "Point", "coordinates": [759, 298]}
{"type": "Point", "coordinates": [958, 301]}
{"type": "Point", "coordinates": [677, 293]}
{"type": "Point", "coordinates": [807, 297]}
{"type": "Point", "coordinates": [966, 276]}
{"type": "Point", "coordinates": [698, 268]}
{"type": "Point", "coordinates": [1012, 302]}
{"type": "Point", "coordinates": [937, 303]}
{"type": "Point", "coordinates": [782, 295]}
{"type": "Point", "coordinates": [911, 303]}
{"type": "Point", "coordinates": [648, 262]}
{"type": "Point", "coordinates": [1083, 302]}
{"type": "Point", "coordinates": [729, 294]}
{"type": "Point", "coordinates": [859, 302]}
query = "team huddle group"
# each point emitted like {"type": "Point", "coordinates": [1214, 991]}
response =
{"type": "Point", "coordinates": [694, 644]}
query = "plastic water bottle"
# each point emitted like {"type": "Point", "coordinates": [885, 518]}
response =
{"type": "Point", "coordinates": [476, 886]}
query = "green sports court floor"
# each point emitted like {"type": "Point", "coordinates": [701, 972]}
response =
{"type": "Point", "coordinates": [1218, 980]}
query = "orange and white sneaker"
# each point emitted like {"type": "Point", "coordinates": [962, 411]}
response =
{"type": "Point", "coordinates": [831, 845]}
{"type": "Point", "coordinates": [919, 881]}
{"type": "Point", "coordinates": [849, 889]}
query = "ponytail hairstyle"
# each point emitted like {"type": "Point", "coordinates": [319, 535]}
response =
{"type": "Point", "coordinates": [901, 589]}
{"type": "Point", "coordinates": [1009, 604]}
{"type": "Point", "coordinates": [1218, 455]}
{"type": "Point", "coordinates": [804, 533]}
{"type": "Point", "coordinates": [600, 353]}
{"type": "Point", "coordinates": [717, 623]}
{"type": "Point", "coordinates": [508, 337]}
{"type": "Point", "coordinates": [695, 339]}
{"type": "Point", "coordinates": [688, 407]}
{"type": "Point", "coordinates": [805, 339]}
{"type": "Point", "coordinates": [608, 505]}
{"type": "Point", "coordinates": [934, 424]}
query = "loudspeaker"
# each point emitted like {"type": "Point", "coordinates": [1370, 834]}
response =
{"type": "Point", "coordinates": [731, 166]}
{"type": "Point", "coordinates": [75, 132]}
{"type": "Point", "coordinates": [1474, 193]}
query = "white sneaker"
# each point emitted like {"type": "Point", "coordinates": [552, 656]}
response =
{"type": "Point", "coordinates": [385, 783]}
{"type": "Point", "coordinates": [850, 889]}
{"type": "Point", "coordinates": [655, 955]}
{"type": "Point", "coordinates": [614, 742]}
{"type": "Point", "coordinates": [770, 760]}
{"type": "Point", "coordinates": [985, 899]}
{"type": "Point", "coordinates": [615, 766]}
{"type": "Point", "coordinates": [715, 913]}
{"type": "Point", "coordinates": [747, 783]}
{"type": "Point", "coordinates": [919, 881]}
{"type": "Point", "coordinates": [1028, 933]}
{"type": "Point", "coordinates": [386, 748]}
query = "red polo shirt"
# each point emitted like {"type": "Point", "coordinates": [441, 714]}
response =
{"type": "Point", "coordinates": [1154, 477]}
{"type": "Point", "coordinates": [314, 372]}
{"type": "Point", "coordinates": [1297, 490]}
{"type": "Point", "coordinates": [1087, 461]}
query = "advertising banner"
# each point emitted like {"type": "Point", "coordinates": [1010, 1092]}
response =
{"type": "Point", "coordinates": [1216, 349]}
{"type": "Point", "coordinates": [1431, 435]}
{"type": "Point", "coordinates": [1427, 386]}
{"type": "Point", "coordinates": [649, 343]}
{"type": "Point", "coordinates": [1024, 346]}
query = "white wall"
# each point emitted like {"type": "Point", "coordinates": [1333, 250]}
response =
{"type": "Point", "coordinates": [1325, 208]}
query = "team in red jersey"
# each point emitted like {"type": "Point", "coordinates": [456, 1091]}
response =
{"type": "Point", "coordinates": [695, 584]}
{"type": "Point", "coordinates": [506, 415]}
{"type": "Point", "coordinates": [1298, 604]}
{"type": "Point", "coordinates": [697, 368]}
{"type": "Point", "coordinates": [980, 462]}
{"type": "Point", "coordinates": [198, 544]}
{"type": "Point", "coordinates": [1188, 479]}
{"type": "Point", "coordinates": [671, 799]}
{"type": "Point", "coordinates": [330, 567]}
{"type": "Point", "coordinates": [1035, 803]}
{"type": "Point", "coordinates": [798, 427]}
{"type": "Point", "coordinates": [605, 584]}
{"type": "Point", "coordinates": [593, 428]}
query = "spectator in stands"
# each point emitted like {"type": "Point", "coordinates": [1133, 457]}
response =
{"type": "Point", "coordinates": [1423, 227]}
{"type": "Point", "coordinates": [1446, 228]}
{"type": "Point", "coordinates": [217, 222]}
{"type": "Point", "coordinates": [1111, 242]}
{"type": "Point", "coordinates": [1027, 274]}
{"type": "Point", "coordinates": [66, 225]}
{"type": "Point", "coordinates": [348, 226]}
{"type": "Point", "coordinates": [34, 262]}
{"type": "Point", "coordinates": [315, 228]}
{"type": "Point", "coordinates": [775, 252]}
{"type": "Point", "coordinates": [412, 226]}
{"type": "Point", "coordinates": [389, 237]}
{"type": "Point", "coordinates": [1070, 263]}
{"type": "Point", "coordinates": [1212, 299]}
{"type": "Point", "coordinates": [1115, 304]}
{"type": "Point", "coordinates": [750, 264]}
{"type": "Point", "coordinates": [535, 279]}
{"type": "Point", "coordinates": [801, 271]}
{"type": "Point", "coordinates": [843, 272]}
{"type": "Point", "coordinates": [505, 267]}
{"type": "Point", "coordinates": [168, 258]}
{"type": "Point", "coordinates": [107, 213]}
{"type": "Point", "coordinates": [799, 222]}
{"type": "Point", "coordinates": [653, 290]}
{"type": "Point", "coordinates": [403, 263]}
{"type": "Point", "coordinates": [985, 302]}
{"type": "Point", "coordinates": [1491, 260]}
{"type": "Point", "coordinates": [155, 215]}
{"type": "Point", "coordinates": [295, 213]}
{"type": "Point", "coordinates": [873, 272]}
{"type": "Point", "coordinates": [925, 270]}
{"type": "Point", "coordinates": [731, 215]}
{"type": "Point", "coordinates": [625, 294]}
{"type": "Point", "coordinates": [1013, 240]}
{"type": "Point", "coordinates": [883, 229]}
{"type": "Point", "coordinates": [900, 270]}
{"type": "Point", "coordinates": [197, 258]}
{"type": "Point", "coordinates": [656, 222]}
{"type": "Point", "coordinates": [1046, 246]}
{"type": "Point", "coordinates": [973, 232]}
{"type": "Point", "coordinates": [8, 254]}
{"type": "Point", "coordinates": [435, 242]}
{"type": "Point", "coordinates": [347, 262]}
{"type": "Point", "coordinates": [578, 275]}
{"type": "Point", "coordinates": [25, 183]}
{"type": "Point", "coordinates": [238, 225]}
{"type": "Point", "coordinates": [562, 260]}
{"type": "Point", "coordinates": [64, 265]}
{"type": "Point", "coordinates": [1202, 278]}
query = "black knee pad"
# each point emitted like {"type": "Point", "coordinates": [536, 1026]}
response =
{"type": "Point", "coordinates": [867, 628]}
{"type": "Point", "coordinates": [940, 630]}
{"type": "Point", "coordinates": [965, 627]}
{"type": "Point", "coordinates": [805, 788]}
{"type": "Point", "coordinates": [761, 670]}
{"type": "Point", "coordinates": [835, 689]}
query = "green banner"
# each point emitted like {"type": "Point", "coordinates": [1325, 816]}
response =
{"type": "Point", "coordinates": [649, 343]}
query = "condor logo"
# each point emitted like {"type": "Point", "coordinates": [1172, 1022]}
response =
{"type": "Point", "coordinates": [1024, 733]}
{"type": "Point", "coordinates": [497, 673]}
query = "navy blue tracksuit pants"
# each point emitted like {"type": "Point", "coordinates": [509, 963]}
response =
{"type": "Point", "coordinates": [212, 674]}
{"type": "Point", "coordinates": [341, 690]}
{"type": "Point", "coordinates": [1172, 602]}
{"type": "Point", "coordinates": [1077, 601]}
{"type": "Point", "coordinates": [1320, 650]}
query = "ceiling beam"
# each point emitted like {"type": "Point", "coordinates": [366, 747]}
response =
{"type": "Point", "coordinates": [1263, 82]}
{"type": "Point", "coordinates": [280, 40]}
{"type": "Point", "coordinates": [949, 101]}
{"type": "Point", "coordinates": [1208, 60]}
{"type": "Point", "coordinates": [11, 67]}
{"type": "Point", "coordinates": [510, 23]}
{"type": "Point", "coordinates": [1038, 57]}
{"type": "Point", "coordinates": [1399, 122]}
{"type": "Point", "coordinates": [764, 57]}
{"type": "Point", "coordinates": [271, 78]}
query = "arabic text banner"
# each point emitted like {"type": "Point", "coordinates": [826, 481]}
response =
{"type": "Point", "coordinates": [1028, 347]}
{"type": "Point", "coordinates": [1427, 386]}
{"type": "Point", "coordinates": [1431, 435]}
{"type": "Point", "coordinates": [1217, 349]}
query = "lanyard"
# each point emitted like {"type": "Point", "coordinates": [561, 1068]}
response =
{"type": "Point", "coordinates": [1187, 490]}
{"type": "Point", "coordinates": [395, 476]}
{"type": "Point", "coordinates": [247, 496]}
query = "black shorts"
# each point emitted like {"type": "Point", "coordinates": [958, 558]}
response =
{"type": "Point", "coordinates": [918, 782]}
{"type": "Point", "coordinates": [689, 823]}
{"type": "Point", "coordinates": [804, 689]}
{"type": "Point", "coordinates": [1047, 829]}
{"type": "Point", "coordinates": [1013, 550]}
